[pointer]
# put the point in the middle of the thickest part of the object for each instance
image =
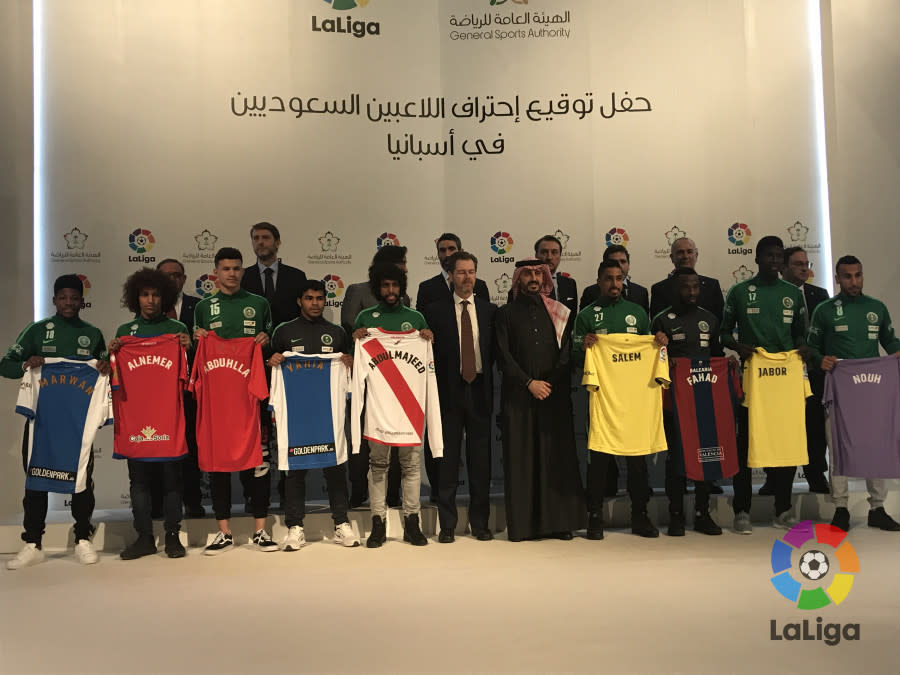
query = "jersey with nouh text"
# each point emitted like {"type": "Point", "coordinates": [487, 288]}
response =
{"type": "Point", "coordinates": [229, 381]}
{"type": "Point", "coordinates": [775, 391]}
{"type": "Point", "coordinates": [862, 397]}
{"type": "Point", "coordinates": [704, 392]}
{"type": "Point", "coordinates": [395, 373]}
{"type": "Point", "coordinates": [148, 380]}
{"type": "Point", "coordinates": [309, 398]}
{"type": "Point", "coordinates": [66, 402]}
{"type": "Point", "coordinates": [623, 374]}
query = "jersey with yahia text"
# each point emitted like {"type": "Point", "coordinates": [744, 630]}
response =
{"type": "Point", "coordinates": [775, 391]}
{"type": "Point", "coordinates": [309, 397]}
{"type": "Point", "coordinates": [623, 374]}
{"type": "Point", "coordinates": [395, 374]}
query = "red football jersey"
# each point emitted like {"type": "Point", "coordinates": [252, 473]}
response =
{"type": "Point", "coordinates": [229, 381]}
{"type": "Point", "coordinates": [148, 379]}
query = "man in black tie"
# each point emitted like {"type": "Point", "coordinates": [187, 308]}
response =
{"type": "Point", "coordinates": [463, 361]}
{"type": "Point", "coordinates": [438, 287]}
{"type": "Point", "coordinates": [684, 253]}
{"type": "Point", "coordinates": [631, 291]}
{"type": "Point", "coordinates": [269, 277]}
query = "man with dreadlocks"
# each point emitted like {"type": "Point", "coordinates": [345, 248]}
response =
{"type": "Point", "coordinates": [544, 495]}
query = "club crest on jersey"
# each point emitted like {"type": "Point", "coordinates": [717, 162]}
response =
{"type": "Point", "coordinates": [327, 339]}
{"type": "Point", "coordinates": [84, 340]}
{"type": "Point", "coordinates": [703, 326]}
{"type": "Point", "coordinates": [134, 327]}
{"type": "Point", "coordinates": [49, 325]}
{"type": "Point", "coordinates": [375, 315]}
{"type": "Point", "coordinates": [787, 302]}
{"type": "Point", "coordinates": [671, 315]}
{"type": "Point", "coordinates": [249, 312]}
{"type": "Point", "coordinates": [631, 319]}
{"type": "Point", "coordinates": [872, 317]}
{"type": "Point", "coordinates": [406, 325]}
{"type": "Point", "coordinates": [751, 288]}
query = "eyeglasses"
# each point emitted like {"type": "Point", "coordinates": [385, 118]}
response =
{"type": "Point", "coordinates": [801, 265]}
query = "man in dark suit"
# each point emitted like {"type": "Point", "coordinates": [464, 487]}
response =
{"type": "Point", "coordinates": [548, 249]}
{"type": "Point", "coordinates": [191, 474]}
{"type": "Point", "coordinates": [684, 253]}
{"type": "Point", "coordinates": [438, 286]}
{"type": "Point", "coordinates": [269, 277]}
{"type": "Point", "coordinates": [463, 361]}
{"type": "Point", "coordinates": [631, 291]}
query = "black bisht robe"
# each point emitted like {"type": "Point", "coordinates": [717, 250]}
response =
{"type": "Point", "coordinates": [542, 482]}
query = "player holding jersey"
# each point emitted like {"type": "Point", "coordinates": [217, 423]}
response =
{"type": "Point", "coordinates": [62, 335]}
{"type": "Point", "coordinates": [308, 334]}
{"type": "Point", "coordinates": [235, 313]}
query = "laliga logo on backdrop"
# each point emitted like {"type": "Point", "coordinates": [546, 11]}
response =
{"type": "Point", "coordinates": [387, 239]}
{"type": "Point", "coordinates": [502, 242]}
{"type": "Point", "coordinates": [814, 565]}
{"type": "Point", "coordinates": [346, 24]}
{"type": "Point", "coordinates": [617, 236]}
{"type": "Point", "coordinates": [206, 285]}
{"type": "Point", "coordinates": [87, 289]}
{"type": "Point", "coordinates": [141, 241]}
{"type": "Point", "coordinates": [739, 234]}
{"type": "Point", "coordinates": [334, 288]}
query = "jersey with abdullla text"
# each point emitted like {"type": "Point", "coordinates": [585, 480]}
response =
{"type": "Point", "coordinates": [775, 391]}
{"type": "Point", "coordinates": [309, 397]}
{"type": "Point", "coordinates": [395, 373]}
{"type": "Point", "coordinates": [623, 374]}
{"type": "Point", "coordinates": [229, 381]}
{"type": "Point", "coordinates": [148, 380]}
{"type": "Point", "coordinates": [66, 401]}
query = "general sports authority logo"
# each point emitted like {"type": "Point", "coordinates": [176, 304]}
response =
{"type": "Point", "coordinates": [406, 325]}
{"type": "Point", "coordinates": [75, 239]}
{"type": "Point", "coordinates": [387, 239]}
{"type": "Point", "coordinates": [327, 339]}
{"type": "Point", "coordinates": [742, 273]}
{"type": "Point", "coordinates": [141, 241]}
{"type": "Point", "coordinates": [249, 312]}
{"type": "Point", "coordinates": [703, 326]}
{"type": "Point", "coordinates": [787, 302]}
{"type": "Point", "coordinates": [334, 286]}
{"type": "Point", "coordinates": [798, 231]}
{"type": "Point", "coordinates": [329, 241]}
{"type": "Point", "coordinates": [675, 234]}
{"type": "Point", "coordinates": [631, 319]}
{"type": "Point", "coordinates": [501, 242]}
{"type": "Point", "coordinates": [814, 565]}
{"type": "Point", "coordinates": [206, 285]}
{"type": "Point", "coordinates": [563, 238]}
{"type": "Point", "coordinates": [347, 4]}
{"type": "Point", "coordinates": [872, 317]}
{"type": "Point", "coordinates": [617, 236]}
{"type": "Point", "coordinates": [206, 241]}
{"type": "Point", "coordinates": [503, 283]}
{"type": "Point", "coordinates": [83, 341]}
{"type": "Point", "coordinates": [738, 234]}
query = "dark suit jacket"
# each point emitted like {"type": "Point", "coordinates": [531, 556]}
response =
{"type": "Point", "coordinates": [663, 292]}
{"type": "Point", "coordinates": [441, 318]}
{"type": "Point", "coordinates": [632, 291]}
{"type": "Point", "coordinates": [813, 296]}
{"type": "Point", "coordinates": [436, 288]}
{"type": "Point", "coordinates": [284, 304]}
{"type": "Point", "coordinates": [186, 316]}
{"type": "Point", "coordinates": [568, 294]}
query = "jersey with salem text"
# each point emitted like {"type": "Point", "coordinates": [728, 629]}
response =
{"type": "Point", "coordinates": [775, 391]}
{"type": "Point", "coordinates": [148, 380]}
{"type": "Point", "coordinates": [863, 401]}
{"type": "Point", "coordinates": [704, 393]}
{"type": "Point", "coordinates": [66, 402]}
{"type": "Point", "coordinates": [309, 397]}
{"type": "Point", "coordinates": [395, 372]}
{"type": "Point", "coordinates": [229, 381]}
{"type": "Point", "coordinates": [623, 374]}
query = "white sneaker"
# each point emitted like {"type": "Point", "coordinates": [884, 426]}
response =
{"type": "Point", "coordinates": [295, 539]}
{"type": "Point", "coordinates": [29, 555]}
{"type": "Point", "coordinates": [344, 535]}
{"type": "Point", "coordinates": [84, 551]}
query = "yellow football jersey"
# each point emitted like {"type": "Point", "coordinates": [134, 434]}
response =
{"type": "Point", "coordinates": [775, 392]}
{"type": "Point", "coordinates": [623, 374]}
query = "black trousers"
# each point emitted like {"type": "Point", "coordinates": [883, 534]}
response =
{"type": "Point", "coordinates": [258, 486]}
{"type": "Point", "coordinates": [782, 477]}
{"type": "Point", "coordinates": [359, 473]}
{"type": "Point", "coordinates": [191, 476]}
{"type": "Point", "coordinates": [467, 414]}
{"type": "Point", "coordinates": [599, 465]}
{"type": "Point", "coordinates": [295, 494]}
{"type": "Point", "coordinates": [675, 483]}
{"type": "Point", "coordinates": [432, 470]}
{"type": "Point", "coordinates": [816, 445]}
{"type": "Point", "coordinates": [143, 477]}
{"type": "Point", "coordinates": [35, 505]}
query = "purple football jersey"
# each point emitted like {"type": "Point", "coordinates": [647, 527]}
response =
{"type": "Point", "coordinates": [863, 401]}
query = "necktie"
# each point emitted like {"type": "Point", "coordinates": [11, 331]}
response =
{"type": "Point", "coordinates": [467, 344]}
{"type": "Point", "coordinates": [268, 286]}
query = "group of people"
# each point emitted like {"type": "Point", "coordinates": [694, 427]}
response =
{"type": "Point", "coordinates": [537, 340]}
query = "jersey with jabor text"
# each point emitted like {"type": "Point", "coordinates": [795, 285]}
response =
{"type": "Point", "coordinates": [148, 380]}
{"type": "Point", "coordinates": [623, 374]}
{"type": "Point", "coordinates": [229, 381]}
{"type": "Point", "coordinates": [395, 372]}
{"type": "Point", "coordinates": [66, 402]}
{"type": "Point", "coordinates": [775, 391]}
{"type": "Point", "coordinates": [862, 397]}
{"type": "Point", "coordinates": [704, 392]}
{"type": "Point", "coordinates": [309, 397]}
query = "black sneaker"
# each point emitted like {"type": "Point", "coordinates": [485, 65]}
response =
{"type": "Point", "coordinates": [841, 519]}
{"type": "Point", "coordinates": [676, 525]}
{"type": "Point", "coordinates": [880, 519]}
{"type": "Point", "coordinates": [143, 545]}
{"type": "Point", "coordinates": [446, 536]}
{"type": "Point", "coordinates": [378, 535]}
{"type": "Point", "coordinates": [412, 532]}
{"type": "Point", "coordinates": [766, 490]}
{"type": "Point", "coordinates": [263, 542]}
{"type": "Point", "coordinates": [174, 549]}
{"type": "Point", "coordinates": [595, 527]}
{"type": "Point", "coordinates": [641, 526]}
{"type": "Point", "coordinates": [818, 484]}
{"type": "Point", "coordinates": [223, 542]}
{"type": "Point", "coordinates": [704, 524]}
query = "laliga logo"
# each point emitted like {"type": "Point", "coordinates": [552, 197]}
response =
{"type": "Point", "coordinates": [141, 241]}
{"type": "Point", "coordinates": [387, 239]}
{"type": "Point", "coordinates": [739, 234]}
{"type": "Point", "coordinates": [502, 242]}
{"type": "Point", "coordinates": [617, 236]}
{"type": "Point", "coordinates": [346, 24]}
{"type": "Point", "coordinates": [334, 289]}
{"type": "Point", "coordinates": [87, 289]}
{"type": "Point", "coordinates": [206, 285]}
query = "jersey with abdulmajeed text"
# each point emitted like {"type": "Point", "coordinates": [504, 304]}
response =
{"type": "Point", "coordinates": [623, 374]}
{"type": "Point", "coordinates": [775, 391]}
{"type": "Point", "coordinates": [395, 373]}
{"type": "Point", "coordinates": [229, 381]}
{"type": "Point", "coordinates": [309, 398]}
{"type": "Point", "coordinates": [66, 402]}
{"type": "Point", "coordinates": [862, 397]}
{"type": "Point", "coordinates": [704, 393]}
{"type": "Point", "coordinates": [148, 380]}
